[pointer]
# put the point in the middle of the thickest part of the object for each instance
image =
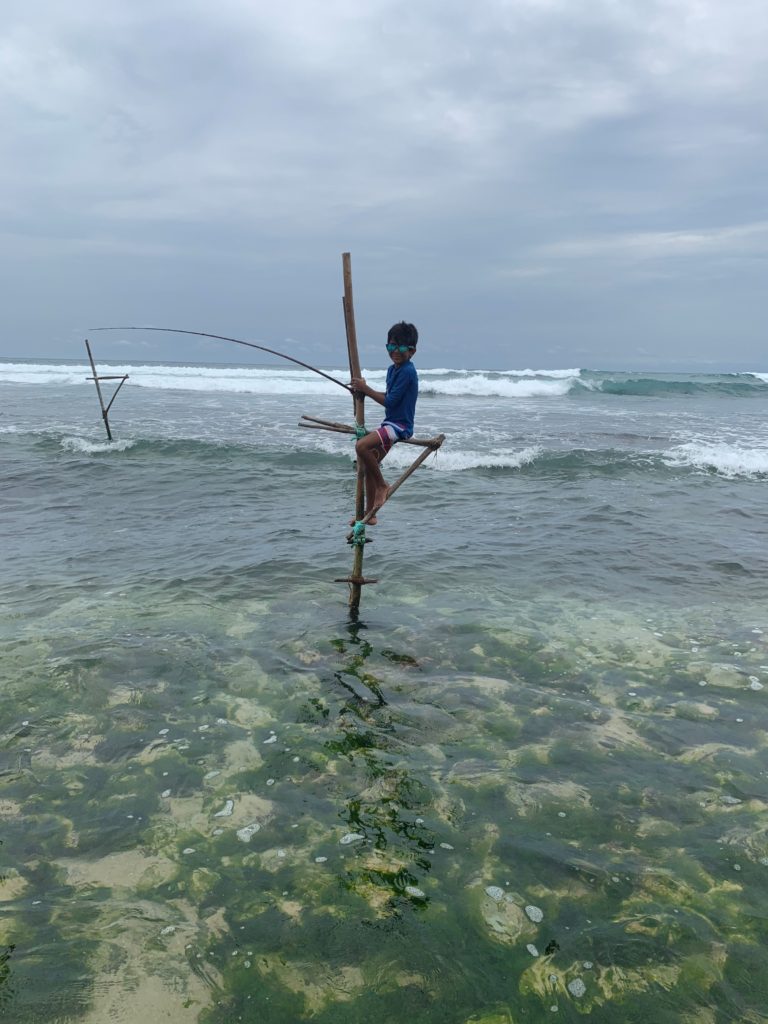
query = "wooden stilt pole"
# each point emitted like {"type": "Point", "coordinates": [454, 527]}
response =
{"type": "Point", "coordinates": [95, 379]}
{"type": "Point", "coordinates": [356, 537]}
{"type": "Point", "coordinates": [355, 587]}
{"type": "Point", "coordinates": [123, 377]}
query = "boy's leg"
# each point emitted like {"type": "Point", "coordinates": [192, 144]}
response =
{"type": "Point", "coordinates": [370, 452]}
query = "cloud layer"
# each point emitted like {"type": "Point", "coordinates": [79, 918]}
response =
{"type": "Point", "coordinates": [534, 183]}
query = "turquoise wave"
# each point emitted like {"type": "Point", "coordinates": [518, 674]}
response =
{"type": "Point", "coordinates": [732, 385]}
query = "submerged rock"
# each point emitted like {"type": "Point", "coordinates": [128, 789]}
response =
{"type": "Point", "coordinates": [130, 868]}
{"type": "Point", "coordinates": [247, 833]}
{"type": "Point", "coordinates": [505, 918]}
{"type": "Point", "coordinates": [318, 990]}
{"type": "Point", "coordinates": [724, 676]}
{"type": "Point", "coordinates": [201, 882]}
{"type": "Point", "coordinates": [495, 892]}
{"type": "Point", "coordinates": [414, 891]}
{"type": "Point", "coordinates": [693, 710]}
{"type": "Point", "coordinates": [12, 885]}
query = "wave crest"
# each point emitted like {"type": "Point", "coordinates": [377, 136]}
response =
{"type": "Point", "coordinates": [485, 386]}
{"type": "Point", "coordinates": [457, 462]}
{"type": "Point", "coordinates": [724, 459]}
{"type": "Point", "coordinates": [82, 446]}
{"type": "Point", "coordinates": [437, 382]}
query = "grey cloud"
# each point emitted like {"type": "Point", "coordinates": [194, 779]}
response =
{"type": "Point", "coordinates": [491, 168]}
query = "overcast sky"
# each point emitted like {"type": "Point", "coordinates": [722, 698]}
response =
{"type": "Point", "coordinates": [534, 183]}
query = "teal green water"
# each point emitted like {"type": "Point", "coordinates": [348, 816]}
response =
{"type": "Point", "coordinates": [529, 783]}
{"type": "Point", "coordinates": [576, 762]}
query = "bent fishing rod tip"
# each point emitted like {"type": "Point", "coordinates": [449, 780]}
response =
{"type": "Point", "coordinates": [237, 341]}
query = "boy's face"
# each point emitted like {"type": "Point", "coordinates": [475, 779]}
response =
{"type": "Point", "coordinates": [400, 353]}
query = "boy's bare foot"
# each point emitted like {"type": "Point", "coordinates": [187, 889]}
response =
{"type": "Point", "coordinates": [381, 496]}
{"type": "Point", "coordinates": [371, 522]}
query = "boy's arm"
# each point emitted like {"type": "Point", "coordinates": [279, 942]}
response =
{"type": "Point", "coordinates": [358, 384]}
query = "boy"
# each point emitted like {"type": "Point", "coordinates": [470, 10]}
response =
{"type": "Point", "coordinates": [399, 401]}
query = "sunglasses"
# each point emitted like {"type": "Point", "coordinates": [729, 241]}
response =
{"type": "Point", "coordinates": [400, 348]}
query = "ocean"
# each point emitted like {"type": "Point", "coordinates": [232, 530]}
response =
{"type": "Point", "coordinates": [528, 783]}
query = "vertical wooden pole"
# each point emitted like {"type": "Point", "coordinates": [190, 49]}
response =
{"type": "Point", "coordinates": [104, 414]}
{"type": "Point", "coordinates": [359, 401]}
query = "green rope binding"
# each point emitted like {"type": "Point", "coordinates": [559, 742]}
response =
{"type": "Point", "coordinates": [360, 430]}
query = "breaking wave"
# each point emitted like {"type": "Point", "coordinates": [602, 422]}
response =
{"type": "Point", "coordinates": [723, 459]}
{"type": "Point", "coordinates": [439, 382]}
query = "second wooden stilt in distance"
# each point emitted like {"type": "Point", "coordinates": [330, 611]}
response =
{"type": "Point", "coordinates": [122, 377]}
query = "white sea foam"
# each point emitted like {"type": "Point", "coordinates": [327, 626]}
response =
{"type": "Point", "coordinates": [555, 374]}
{"type": "Point", "coordinates": [82, 445]}
{"type": "Point", "coordinates": [760, 376]}
{"type": "Point", "coordinates": [482, 385]}
{"type": "Point", "coordinates": [456, 462]}
{"type": "Point", "coordinates": [245, 380]}
{"type": "Point", "coordinates": [249, 380]}
{"type": "Point", "coordinates": [728, 460]}
{"type": "Point", "coordinates": [279, 380]}
{"type": "Point", "coordinates": [42, 373]}
{"type": "Point", "coordinates": [447, 460]}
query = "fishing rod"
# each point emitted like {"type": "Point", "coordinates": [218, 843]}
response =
{"type": "Point", "coordinates": [237, 341]}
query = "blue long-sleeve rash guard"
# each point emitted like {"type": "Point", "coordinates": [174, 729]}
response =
{"type": "Point", "coordinates": [401, 394]}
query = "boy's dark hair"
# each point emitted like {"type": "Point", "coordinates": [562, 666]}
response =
{"type": "Point", "coordinates": [403, 334]}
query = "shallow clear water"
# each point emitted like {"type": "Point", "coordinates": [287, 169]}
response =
{"type": "Point", "coordinates": [553, 700]}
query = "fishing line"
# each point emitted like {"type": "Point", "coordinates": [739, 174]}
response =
{"type": "Point", "coordinates": [237, 341]}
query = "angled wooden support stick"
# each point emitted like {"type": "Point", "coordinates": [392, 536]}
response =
{"type": "Point", "coordinates": [316, 424]}
{"type": "Point", "coordinates": [123, 377]}
{"type": "Point", "coordinates": [436, 442]}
